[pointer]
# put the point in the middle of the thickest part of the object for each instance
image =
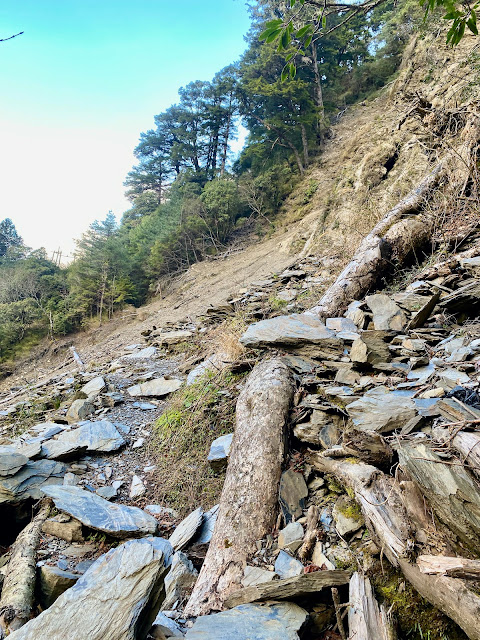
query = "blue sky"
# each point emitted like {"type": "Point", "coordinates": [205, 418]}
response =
{"type": "Point", "coordinates": [80, 85]}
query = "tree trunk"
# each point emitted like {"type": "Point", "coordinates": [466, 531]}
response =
{"type": "Point", "coordinates": [305, 146]}
{"type": "Point", "coordinates": [19, 584]}
{"type": "Point", "coordinates": [318, 93]}
{"type": "Point", "coordinates": [381, 502]}
{"type": "Point", "coordinates": [249, 498]}
{"type": "Point", "coordinates": [448, 488]}
{"type": "Point", "coordinates": [366, 620]}
{"type": "Point", "coordinates": [453, 567]}
{"type": "Point", "coordinates": [373, 257]}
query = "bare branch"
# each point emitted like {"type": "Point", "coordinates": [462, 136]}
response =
{"type": "Point", "coordinates": [11, 37]}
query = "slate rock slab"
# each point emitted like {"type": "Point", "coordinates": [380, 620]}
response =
{"type": "Point", "coordinates": [292, 494]}
{"type": "Point", "coordinates": [386, 314]}
{"type": "Point", "coordinates": [11, 461]}
{"type": "Point", "coordinates": [53, 582]}
{"type": "Point", "coordinates": [30, 480]}
{"type": "Point", "coordinates": [295, 330]}
{"type": "Point", "coordinates": [179, 581]}
{"type": "Point", "coordinates": [381, 410]}
{"type": "Point", "coordinates": [280, 621]}
{"type": "Point", "coordinates": [117, 520]}
{"type": "Point", "coordinates": [117, 598]}
{"type": "Point", "coordinates": [94, 387]}
{"type": "Point", "coordinates": [286, 566]}
{"type": "Point", "coordinates": [186, 529]}
{"type": "Point", "coordinates": [254, 575]}
{"type": "Point", "coordinates": [100, 437]}
{"type": "Point", "coordinates": [155, 388]}
{"type": "Point", "coordinates": [79, 410]}
{"type": "Point", "coordinates": [219, 452]}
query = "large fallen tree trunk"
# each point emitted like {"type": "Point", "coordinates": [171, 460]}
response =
{"type": "Point", "coordinates": [366, 619]}
{"type": "Point", "coordinates": [380, 499]}
{"type": "Point", "coordinates": [390, 237]}
{"type": "Point", "coordinates": [250, 494]}
{"type": "Point", "coordinates": [450, 566]}
{"type": "Point", "coordinates": [448, 487]}
{"type": "Point", "coordinates": [19, 584]}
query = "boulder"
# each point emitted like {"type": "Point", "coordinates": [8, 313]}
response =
{"type": "Point", "coordinates": [137, 488]}
{"type": "Point", "coordinates": [117, 598]}
{"type": "Point", "coordinates": [117, 520]}
{"type": "Point", "coordinates": [79, 410]}
{"type": "Point", "coordinates": [155, 388]}
{"type": "Point", "coordinates": [52, 583]}
{"type": "Point", "coordinates": [179, 580]}
{"type": "Point", "coordinates": [186, 529]}
{"type": "Point", "coordinates": [387, 315]}
{"type": "Point", "coordinates": [93, 388]}
{"type": "Point", "coordinates": [172, 337]}
{"type": "Point", "coordinates": [296, 331]}
{"type": "Point", "coordinates": [143, 354]}
{"type": "Point", "coordinates": [292, 494]}
{"type": "Point", "coordinates": [278, 621]}
{"type": "Point", "coordinates": [219, 452]}
{"type": "Point", "coordinates": [381, 410]}
{"type": "Point", "coordinates": [30, 480]}
{"type": "Point", "coordinates": [11, 461]}
{"type": "Point", "coordinates": [370, 348]}
{"type": "Point", "coordinates": [98, 437]}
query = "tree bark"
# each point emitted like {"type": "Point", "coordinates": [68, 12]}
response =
{"type": "Point", "coordinates": [366, 620]}
{"type": "Point", "coordinates": [373, 257]}
{"type": "Point", "coordinates": [19, 584]}
{"type": "Point", "coordinates": [249, 498]}
{"type": "Point", "coordinates": [453, 567]}
{"type": "Point", "coordinates": [380, 499]}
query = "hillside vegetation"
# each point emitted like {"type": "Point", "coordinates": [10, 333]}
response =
{"type": "Point", "coordinates": [188, 199]}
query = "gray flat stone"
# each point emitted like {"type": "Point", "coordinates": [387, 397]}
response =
{"type": "Point", "coordinates": [98, 437]}
{"type": "Point", "coordinates": [323, 428]}
{"type": "Point", "coordinates": [106, 492]}
{"type": "Point", "coordinates": [386, 314]}
{"type": "Point", "coordinates": [205, 532]}
{"type": "Point", "coordinates": [53, 582]}
{"type": "Point", "coordinates": [286, 566]}
{"type": "Point", "coordinates": [179, 581]}
{"type": "Point", "coordinates": [292, 494]}
{"type": "Point", "coordinates": [164, 627]}
{"type": "Point", "coordinates": [11, 461]}
{"type": "Point", "coordinates": [219, 452]}
{"type": "Point", "coordinates": [280, 621]}
{"type": "Point", "coordinates": [295, 330]}
{"type": "Point", "coordinates": [30, 480]}
{"type": "Point", "coordinates": [254, 575]}
{"type": "Point", "coordinates": [118, 520]}
{"type": "Point", "coordinates": [155, 388]}
{"type": "Point", "coordinates": [117, 598]}
{"type": "Point", "coordinates": [186, 529]}
{"type": "Point", "coordinates": [291, 537]}
{"type": "Point", "coordinates": [79, 410]}
{"type": "Point", "coordinates": [381, 410]}
{"type": "Point", "coordinates": [93, 388]}
{"type": "Point", "coordinates": [144, 354]}
{"type": "Point", "coordinates": [347, 520]}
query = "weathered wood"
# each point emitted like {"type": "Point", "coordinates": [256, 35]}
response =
{"type": "Point", "coordinates": [448, 488]}
{"type": "Point", "coordinates": [289, 588]}
{"type": "Point", "coordinates": [249, 498]}
{"type": "Point", "coordinates": [381, 504]}
{"type": "Point", "coordinates": [368, 446]}
{"type": "Point", "coordinates": [450, 566]}
{"type": "Point", "coordinates": [311, 532]}
{"type": "Point", "coordinates": [18, 587]}
{"type": "Point", "coordinates": [372, 259]}
{"type": "Point", "coordinates": [366, 620]}
{"type": "Point", "coordinates": [467, 443]}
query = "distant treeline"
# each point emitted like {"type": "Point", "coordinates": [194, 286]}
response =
{"type": "Point", "coordinates": [187, 196]}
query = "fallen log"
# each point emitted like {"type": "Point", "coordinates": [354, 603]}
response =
{"type": "Point", "coordinates": [366, 619]}
{"type": "Point", "coordinates": [18, 587]}
{"type": "Point", "coordinates": [467, 443]}
{"type": "Point", "coordinates": [288, 588]}
{"type": "Point", "coordinates": [372, 259]}
{"type": "Point", "coordinates": [311, 532]}
{"type": "Point", "coordinates": [385, 515]}
{"type": "Point", "coordinates": [447, 566]}
{"type": "Point", "coordinates": [449, 488]}
{"type": "Point", "coordinates": [249, 499]}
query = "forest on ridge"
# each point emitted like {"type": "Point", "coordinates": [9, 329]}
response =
{"type": "Point", "coordinates": [188, 193]}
